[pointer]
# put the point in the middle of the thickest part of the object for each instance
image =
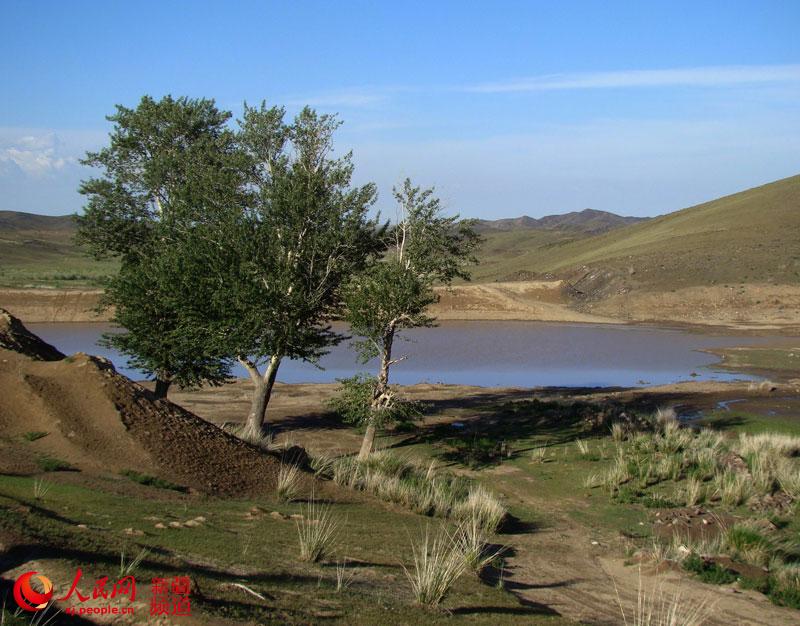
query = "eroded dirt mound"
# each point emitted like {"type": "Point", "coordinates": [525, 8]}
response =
{"type": "Point", "coordinates": [14, 336]}
{"type": "Point", "coordinates": [80, 410]}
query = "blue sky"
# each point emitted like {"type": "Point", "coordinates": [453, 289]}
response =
{"type": "Point", "coordinates": [508, 108]}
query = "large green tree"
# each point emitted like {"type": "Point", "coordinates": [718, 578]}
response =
{"type": "Point", "coordinates": [305, 230]}
{"type": "Point", "coordinates": [425, 248]}
{"type": "Point", "coordinates": [171, 166]}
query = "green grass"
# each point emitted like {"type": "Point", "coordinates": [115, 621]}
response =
{"type": "Point", "coordinates": [151, 481]}
{"type": "Point", "coordinates": [745, 237]}
{"type": "Point", "coordinates": [33, 435]}
{"type": "Point", "coordinates": [233, 545]}
{"type": "Point", "coordinates": [39, 251]}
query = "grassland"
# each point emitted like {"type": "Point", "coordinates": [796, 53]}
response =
{"type": "Point", "coordinates": [39, 251]}
{"type": "Point", "coordinates": [745, 237]}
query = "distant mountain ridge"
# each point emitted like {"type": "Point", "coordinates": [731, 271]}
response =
{"type": "Point", "coordinates": [15, 221]}
{"type": "Point", "coordinates": [587, 222]}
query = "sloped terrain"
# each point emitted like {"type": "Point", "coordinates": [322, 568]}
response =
{"type": "Point", "coordinates": [98, 420]}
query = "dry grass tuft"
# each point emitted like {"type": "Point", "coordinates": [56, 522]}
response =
{"type": "Point", "coordinates": [288, 485]}
{"type": "Point", "coordinates": [316, 531]}
{"type": "Point", "coordinates": [438, 563]}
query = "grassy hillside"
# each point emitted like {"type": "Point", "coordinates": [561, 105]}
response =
{"type": "Point", "coordinates": [38, 251]}
{"type": "Point", "coordinates": [750, 236]}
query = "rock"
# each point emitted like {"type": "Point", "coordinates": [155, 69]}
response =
{"type": "Point", "coordinates": [277, 515]}
{"type": "Point", "coordinates": [191, 523]}
{"type": "Point", "coordinates": [159, 525]}
{"type": "Point", "coordinates": [175, 525]}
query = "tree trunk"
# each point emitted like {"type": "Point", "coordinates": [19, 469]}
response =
{"type": "Point", "coordinates": [368, 443]}
{"type": "Point", "coordinates": [254, 427]}
{"type": "Point", "coordinates": [162, 386]}
{"type": "Point", "coordinates": [379, 395]}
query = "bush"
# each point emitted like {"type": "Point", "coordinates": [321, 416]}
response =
{"type": "Point", "coordinates": [353, 404]}
{"type": "Point", "coordinates": [708, 571]}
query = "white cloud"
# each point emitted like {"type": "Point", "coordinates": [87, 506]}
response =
{"type": "Point", "coordinates": [35, 154]}
{"type": "Point", "coordinates": [712, 76]}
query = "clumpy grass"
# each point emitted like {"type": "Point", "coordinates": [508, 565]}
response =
{"type": "Point", "coordinates": [151, 481]}
{"type": "Point", "coordinates": [482, 506]}
{"type": "Point", "coordinates": [583, 447]}
{"type": "Point", "coordinates": [127, 568]}
{"type": "Point", "coordinates": [664, 416]}
{"type": "Point", "coordinates": [694, 491]}
{"type": "Point", "coordinates": [51, 464]}
{"type": "Point", "coordinates": [344, 577]}
{"type": "Point", "coordinates": [263, 440]}
{"type": "Point", "coordinates": [655, 607]}
{"type": "Point", "coordinates": [470, 538]}
{"type": "Point", "coordinates": [438, 563]}
{"type": "Point", "coordinates": [288, 485]}
{"type": "Point", "coordinates": [419, 487]}
{"type": "Point", "coordinates": [618, 432]}
{"type": "Point", "coordinates": [316, 531]}
{"type": "Point", "coordinates": [538, 454]}
{"type": "Point", "coordinates": [33, 435]}
{"type": "Point", "coordinates": [40, 489]}
{"type": "Point", "coordinates": [732, 488]}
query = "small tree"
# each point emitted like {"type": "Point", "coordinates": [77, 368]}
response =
{"type": "Point", "coordinates": [304, 232]}
{"type": "Point", "coordinates": [170, 166]}
{"type": "Point", "coordinates": [426, 248]}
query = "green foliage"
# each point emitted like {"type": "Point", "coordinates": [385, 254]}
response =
{"type": "Point", "coordinates": [33, 435]}
{"type": "Point", "coordinates": [171, 167]}
{"type": "Point", "coordinates": [353, 403]}
{"type": "Point", "coordinates": [708, 571]}
{"type": "Point", "coordinates": [151, 481]}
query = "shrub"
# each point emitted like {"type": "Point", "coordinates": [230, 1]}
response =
{"type": "Point", "coordinates": [438, 563]}
{"type": "Point", "coordinates": [708, 571]}
{"type": "Point", "coordinates": [353, 403]}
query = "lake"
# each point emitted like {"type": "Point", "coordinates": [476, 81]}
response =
{"type": "Point", "coordinates": [491, 353]}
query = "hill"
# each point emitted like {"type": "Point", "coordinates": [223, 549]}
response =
{"type": "Point", "coordinates": [588, 221]}
{"type": "Point", "coordinates": [38, 250]}
{"type": "Point", "coordinates": [749, 236]}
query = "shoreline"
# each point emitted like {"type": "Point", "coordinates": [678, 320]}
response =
{"type": "Point", "coordinates": [497, 302]}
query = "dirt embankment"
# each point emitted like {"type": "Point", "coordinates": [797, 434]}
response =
{"type": "Point", "coordinates": [746, 306]}
{"type": "Point", "coordinates": [79, 410]}
{"type": "Point", "coordinates": [53, 305]}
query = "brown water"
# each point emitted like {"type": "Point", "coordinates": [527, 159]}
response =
{"type": "Point", "coordinates": [493, 353]}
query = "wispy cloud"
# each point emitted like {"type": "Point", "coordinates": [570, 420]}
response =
{"type": "Point", "coordinates": [346, 99]}
{"type": "Point", "coordinates": [712, 76]}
